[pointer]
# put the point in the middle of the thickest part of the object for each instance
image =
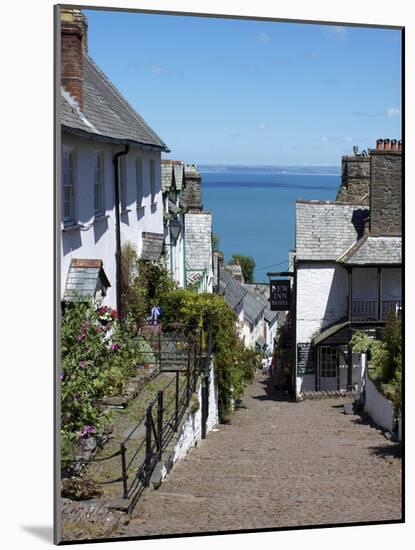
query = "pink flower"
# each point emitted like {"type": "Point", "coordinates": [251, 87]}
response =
{"type": "Point", "coordinates": [82, 364]}
{"type": "Point", "coordinates": [115, 347]}
{"type": "Point", "coordinates": [86, 430]}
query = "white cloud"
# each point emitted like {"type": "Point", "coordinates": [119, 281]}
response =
{"type": "Point", "coordinates": [336, 31]}
{"type": "Point", "coordinates": [263, 125]}
{"type": "Point", "coordinates": [348, 138]}
{"type": "Point", "coordinates": [393, 111]}
{"type": "Point", "coordinates": [339, 30]}
{"type": "Point", "coordinates": [324, 139]}
{"type": "Point", "coordinates": [158, 69]}
{"type": "Point", "coordinates": [263, 37]}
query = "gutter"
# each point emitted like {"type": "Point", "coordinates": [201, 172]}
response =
{"type": "Point", "coordinates": [108, 139]}
{"type": "Point", "coordinates": [117, 228]}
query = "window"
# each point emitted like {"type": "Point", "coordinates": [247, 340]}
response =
{"type": "Point", "coordinates": [153, 180]}
{"type": "Point", "coordinates": [328, 359]}
{"type": "Point", "coordinates": [123, 182]}
{"type": "Point", "coordinates": [68, 187]}
{"type": "Point", "coordinates": [98, 183]}
{"type": "Point", "coordinates": [139, 181]}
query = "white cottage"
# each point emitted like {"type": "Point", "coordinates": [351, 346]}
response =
{"type": "Point", "coordinates": [173, 181]}
{"type": "Point", "coordinates": [110, 174]}
{"type": "Point", "coordinates": [271, 318]}
{"type": "Point", "coordinates": [348, 273]}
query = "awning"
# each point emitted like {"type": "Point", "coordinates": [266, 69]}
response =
{"type": "Point", "coordinates": [85, 278]}
{"type": "Point", "coordinates": [331, 331]}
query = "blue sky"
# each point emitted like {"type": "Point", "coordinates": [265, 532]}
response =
{"type": "Point", "coordinates": [230, 91]}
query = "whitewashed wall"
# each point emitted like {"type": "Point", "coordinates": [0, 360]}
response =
{"type": "Point", "coordinates": [191, 431]}
{"type": "Point", "coordinates": [251, 333]}
{"type": "Point", "coordinates": [271, 333]}
{"type": "Point", "coordinates": [380, 409]}
{"type": "Point", "coordinates": [175, 254]}
{"type": "Point", "coordinates": [97, 238]}
{"type": "Point", "coordinates": [321, 297]}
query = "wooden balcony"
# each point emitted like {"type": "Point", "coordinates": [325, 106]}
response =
{"type": "Point", "coordinates": [372, 310]}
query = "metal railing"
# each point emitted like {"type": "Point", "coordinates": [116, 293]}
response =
{"type": "Point", "coordinates": [369, 310]}
{"type": "Point", "coordinates": [175, 349]}
{"type": "Point", "coordinates": [157, 428]}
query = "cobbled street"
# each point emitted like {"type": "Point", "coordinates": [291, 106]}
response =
{"type": "Point", "coordinates": [278, 464]}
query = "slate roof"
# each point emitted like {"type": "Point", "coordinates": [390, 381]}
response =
{"type": "Point", "coordinates": [325, 229]}
{"type": "Point", "coordinates": [85, 277]}
{"type": "Point", "coordinates": [231, 289]}
{"type": "Point", "coordinates": [106, 112]}
{"type": "Point", "coordinates": [253, 308]}
{"type": "Point", "coordinates": [261, 292]}
{"type": "Point", "coordinates": [166, 176]}
{"type": "Point", "coordinates": [152, 246]}
{"type": "Point", "coordinates": [172, 171]}
{"type": "Point", "coordinates": [374, 250]}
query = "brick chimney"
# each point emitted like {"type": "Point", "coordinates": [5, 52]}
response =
{"type": "Point", "coordinates": [74, 38]}
{"type": "Point", "coordinates": [386, 188]}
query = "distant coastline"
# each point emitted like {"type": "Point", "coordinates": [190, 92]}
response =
{"type": "Point", "coordinates": [314, 170]}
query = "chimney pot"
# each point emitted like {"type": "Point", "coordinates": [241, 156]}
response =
{"type": "Point", "coordinates": [400, 145]}
{"type": "Point", "coordinates": [379, 144]}
{"type": "Point", "coordinates": [387, 144]}
{"type": "Point", "coordinates": [393, 144]}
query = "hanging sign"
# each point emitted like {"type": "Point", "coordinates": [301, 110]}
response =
{"type": "Point", "coordinates": [280, 295]}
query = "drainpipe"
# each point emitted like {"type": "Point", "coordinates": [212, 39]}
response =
{"type": "Point", "coordinates": [117, 228]}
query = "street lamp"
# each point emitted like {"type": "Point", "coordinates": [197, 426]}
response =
{"type": "Point", "coordinates": [175, 228]}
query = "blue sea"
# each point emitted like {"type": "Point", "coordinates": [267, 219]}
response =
{"type": "Point", "coordinates": [254, 211]}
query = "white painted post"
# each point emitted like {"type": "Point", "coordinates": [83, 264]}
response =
{"type": "Point", "coordinates": [362, 373]}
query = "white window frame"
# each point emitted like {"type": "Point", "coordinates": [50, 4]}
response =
{"type": "Point", "coordinates": [139, 181]}
{"type": "Point", "coordinates": [123, 182]}
{"type": "Point", "coordinates": [328, 361]}
{"type": "Point", "coordinates": [99, 183]}
{"type": "Point", "coordinates": [153, 191]}
{"type": "Point", "coordinates": [69, 219]}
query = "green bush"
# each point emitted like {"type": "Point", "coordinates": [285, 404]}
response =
{"type": "Point", "coordinates": [385, 358]}
{"type": "Point", "coordinates": [142, 284]}
{"type": "Point", "coordinates": [234, 364]}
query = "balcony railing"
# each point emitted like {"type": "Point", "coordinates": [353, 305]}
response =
{"type": "Point", "coordinates": [368, 310]}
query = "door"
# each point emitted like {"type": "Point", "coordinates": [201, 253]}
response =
{"type": "Point", "coordinates": [328, 369]}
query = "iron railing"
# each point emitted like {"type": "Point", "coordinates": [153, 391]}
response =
{"type": "Point", "coordinates": [157, 426]}
{"type": "Point", "coordinates": [369, 310]}
{"type": "Point", "coordinates": [176, 350]}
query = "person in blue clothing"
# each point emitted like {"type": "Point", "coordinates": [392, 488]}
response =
{"type": "Point", "coordinates": [155, 314]}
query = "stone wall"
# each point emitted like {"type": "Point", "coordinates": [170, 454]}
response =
{"type": "Point", "coordinates": [386, 193]}
{"type": "Point", "coordinates": [355, 179]}
{"type": "Point", "coordinates": [192, 193]}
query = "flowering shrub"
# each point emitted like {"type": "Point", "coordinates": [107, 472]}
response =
{"type": "Point", "coordinates": [96, 361]}
{"type": "Point", "coordinates": [107, 314]}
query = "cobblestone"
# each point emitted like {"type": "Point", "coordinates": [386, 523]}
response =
{"type": "Point", "coordinates": [278, 464]}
